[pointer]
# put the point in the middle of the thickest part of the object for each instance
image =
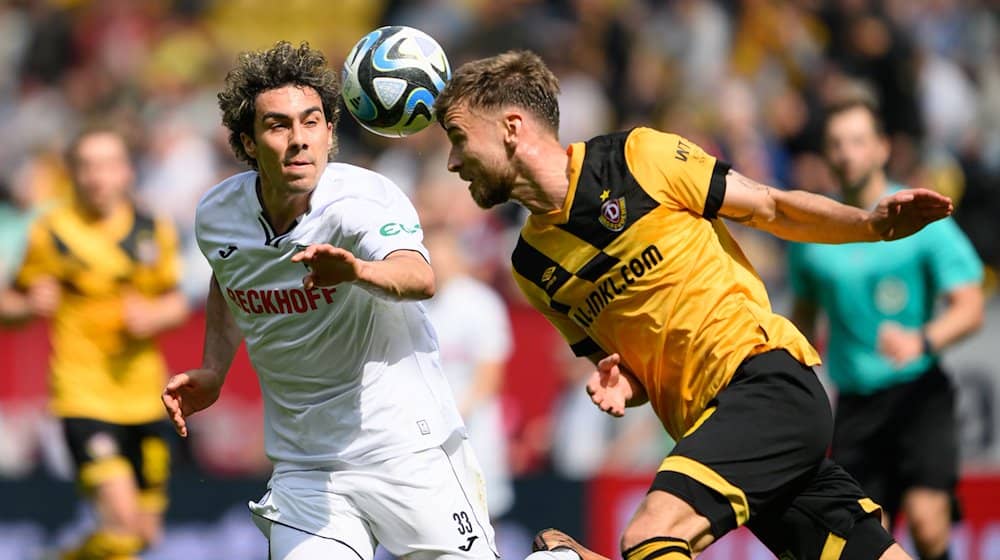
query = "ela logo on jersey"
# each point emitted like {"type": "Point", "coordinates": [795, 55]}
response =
{"type": "Point", "coordinates": [393, 228]}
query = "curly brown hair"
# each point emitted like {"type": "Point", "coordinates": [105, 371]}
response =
{"type": "Point", "coordinates": [517, 78]}
{"type": "Point", "coordinates": [259, 71]}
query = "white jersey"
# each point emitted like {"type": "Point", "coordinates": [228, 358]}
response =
{"type": "Point", "coordinates": [346, 375]}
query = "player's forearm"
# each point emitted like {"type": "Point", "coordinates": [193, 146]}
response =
{"type": "Point", "coordinates": [811, 218]}
{"type": "Point", "coordinates": [401, 275]}
{"type": "Point", "coordinates": [222, 335]}
{"type": "Point", "coordinates": [962, 316]}
{"type": "Point", "coordinates": [15, 308]}
{"type": "Point", "coordinates": [171, 311]}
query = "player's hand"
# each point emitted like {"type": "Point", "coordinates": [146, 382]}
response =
{"type": "Point", "coordinates": [907, 212]}
{"type": "Point", "coordinates": [189, 392]}
{"type": "Point", "coordinates": [328, 265]}
{"type": "Point", "coordinates": [140, 317]}
{"type": "Point", "coordinates": [44, 297]}
{"type": "Point", "coordinates": [608, 387]}
{"type": "Point", "coordinates": [900, 346]}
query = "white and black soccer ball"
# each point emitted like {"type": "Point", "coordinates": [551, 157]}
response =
{"type": "Point", "coordinates": [391, 78]}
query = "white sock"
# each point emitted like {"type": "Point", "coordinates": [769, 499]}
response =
{"type": "Point", "coordinates": [558, 554]}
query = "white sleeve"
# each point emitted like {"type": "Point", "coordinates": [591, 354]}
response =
{"type": "Point", "coordinates": [379, 225]}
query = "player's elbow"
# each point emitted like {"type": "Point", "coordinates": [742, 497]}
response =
{"type": "Point", "coordinates": [427, 291]}
{"type": "Point", "coordinates": [423, 286]}
{"type": "Point", "coordinates": [977, 317]}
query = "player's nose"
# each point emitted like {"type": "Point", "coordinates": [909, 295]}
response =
{"type": "Point", "coordinates": [454, 161]}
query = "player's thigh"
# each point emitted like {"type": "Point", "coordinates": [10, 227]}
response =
{"type": "Point", "coordinates": [865, 443]}
{"type": "Point", "coordinates": [150, 455]}
{"type": "Point", "coordinates": [431, 504]}
{"type": "Point", "coordinates": [287, 543]}
{"type": "Point", "coordinates": [105, 469]}
{"type": "Point", "coordinates": [928, 449]}
{"type": "Point", "coordinates": [755, 446]}
{"type": "Point", "coordinates": [831, 518]}
{"type": "Point", "coordinates": [319, 503]}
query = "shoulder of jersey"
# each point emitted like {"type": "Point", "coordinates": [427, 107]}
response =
{"type": "Point", "coordinates": [344, 181]}
{"type": "Point", "coordinates": [228, 191]}
{"type": "Point", "coordinates": [645, 137]}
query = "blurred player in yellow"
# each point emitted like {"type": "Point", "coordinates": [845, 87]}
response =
{"type": "Point", "coordinates": [625, 254]}
{"type": "Point", "coordinates": [106, 275]}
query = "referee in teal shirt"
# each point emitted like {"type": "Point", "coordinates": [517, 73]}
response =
{"type": "Point", "coordinates": [891, 308]}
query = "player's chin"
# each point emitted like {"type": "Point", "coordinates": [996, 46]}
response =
{"type": "Point", "coordinates": [487, 197]}
{"type": "Point", "coordinates": [300, 180]}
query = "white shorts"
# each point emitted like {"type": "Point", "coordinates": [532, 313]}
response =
{"type": "Point", "coordinates": [429, 504]}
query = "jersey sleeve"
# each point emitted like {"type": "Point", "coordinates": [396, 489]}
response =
{"type": "Point", "coordinates": [381, 225]}
{"type": "Point", "coordinates": [41, 258]}
{"type": "Point", "coordinates": [676, 171]}
{"type": "Point", "coordinates": [952, 259]}
{"type": "Point", "coordinates": [799, 276]}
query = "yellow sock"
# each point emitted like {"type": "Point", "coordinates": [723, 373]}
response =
{"type": "Point", "coordinates": [105, 545]}
{"type": "Point", "coordinates": [659, 548]}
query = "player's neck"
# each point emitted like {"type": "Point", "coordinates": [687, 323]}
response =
{"type": "Point", "coordinates": [868, 194]}
{"type": "Point", "coordinates": [281, 206]}
{"type": "Point", "coordinates": [544, 180]}
{"type": "Point", "coordinates": [97, 215]}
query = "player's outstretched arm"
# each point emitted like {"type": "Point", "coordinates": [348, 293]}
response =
{"type": "Point", "coordinates": [812, 218]}
{"type": "Point", "coordinates": [613, 388]}
{"type": "Point", "coordinates": [197, 389]}
{"type": "Point", "coordinates": [404, 274]}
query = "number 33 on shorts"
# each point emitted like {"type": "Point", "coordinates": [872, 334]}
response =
{"type": "Point", "coordinates": [465, 529]}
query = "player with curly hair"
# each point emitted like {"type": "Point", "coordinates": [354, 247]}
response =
{"type": "Point", "coordinates": [367, 443]}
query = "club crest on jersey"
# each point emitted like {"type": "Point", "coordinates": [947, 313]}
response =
{"type": "Point", "coordinates": [613, 214]}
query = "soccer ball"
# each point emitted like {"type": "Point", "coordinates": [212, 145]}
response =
{"type": "Point", "coordinates": [391, 78]}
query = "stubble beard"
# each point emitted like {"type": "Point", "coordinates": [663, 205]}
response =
{"type": "Point", "coordinates": [490, 192]}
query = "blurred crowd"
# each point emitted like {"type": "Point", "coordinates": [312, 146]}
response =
{"type": "Point", "coordinates": [745, 79]}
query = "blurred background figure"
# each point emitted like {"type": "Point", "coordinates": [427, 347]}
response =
{"type": "Point", "coordinates": [474, 335]}
{"type": "Point", "coordinates": [106, 275]}
{"type": "Point", "coordinates": [895, 426]}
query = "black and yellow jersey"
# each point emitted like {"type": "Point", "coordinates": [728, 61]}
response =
{"type": "Point", "coordinates": [97, 370]}
{"type": "Point", "coordinates": [637, 262]}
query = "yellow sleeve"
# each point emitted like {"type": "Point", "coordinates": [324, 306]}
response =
{"type": "Point", "coordinates": [575, 336]}
{"type": "Point", "coordinates": [676, 172]}
{"type": "Point", "coordinates": [167, 271]}
{"type": "Point", "coordinates": [41, 259]}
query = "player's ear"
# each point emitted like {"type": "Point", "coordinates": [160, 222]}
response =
{"type": "Point", "coordinates": [249, 146]}
{"type": "Point", "coordinates": [513, 124]}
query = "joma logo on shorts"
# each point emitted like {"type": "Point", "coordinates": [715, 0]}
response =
{"type": "Point", "coordinates": [615, 284]}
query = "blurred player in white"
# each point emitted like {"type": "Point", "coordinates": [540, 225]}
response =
{"type": "Point", "coordinates": [318, 266]}
{"type": "Point", "coordinates": [473, 331]}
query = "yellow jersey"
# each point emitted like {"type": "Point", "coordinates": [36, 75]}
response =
{"type": "Point", "coordinates": [97, 370]}
{"type": "Point", "coordinates": [638, 262]}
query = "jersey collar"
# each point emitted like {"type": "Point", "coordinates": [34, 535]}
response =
{"type": "Point", "coordinates": [561, 216]}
